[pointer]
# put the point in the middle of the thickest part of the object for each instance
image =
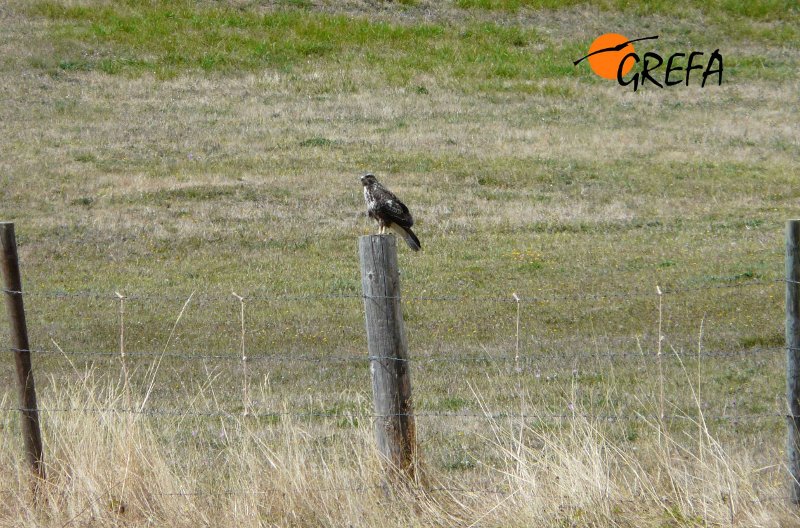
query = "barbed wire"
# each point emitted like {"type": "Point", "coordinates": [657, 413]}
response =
{"type": "Point", "coordinates": [271, 415]}
{"type": "Point", "coordinates": [522, 297]}
{"type": "Point", "coordinates": [528, 359]}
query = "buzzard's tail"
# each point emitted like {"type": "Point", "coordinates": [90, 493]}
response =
{"type": "Point", "coordinates": [408, 235]}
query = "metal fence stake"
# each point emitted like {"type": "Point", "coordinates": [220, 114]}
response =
{"type": "Point", "coordinates": [793, 355]}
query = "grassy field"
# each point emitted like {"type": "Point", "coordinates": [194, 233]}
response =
{"type": "Point", "coordinates": [177, 152]}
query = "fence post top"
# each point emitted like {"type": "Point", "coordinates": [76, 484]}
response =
{"type": "Point", "coordinates": [8, 242]}
{"type": "Point", "coordinates": [386, 240]}
{"type": "Point", "coordinates": [376, 235]}
{"type": "Point", "coordinates": [792, 230]}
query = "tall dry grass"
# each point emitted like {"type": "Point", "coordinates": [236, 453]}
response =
{"type": "Point", "coordinates": [127, 469]}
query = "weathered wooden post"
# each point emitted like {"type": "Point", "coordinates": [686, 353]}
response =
{"type": "Point", "coordinates": [31, 434]}
{"type": "Point", "coordinates": [793, 354]}
{"type": "Point", "coordinates": [386, 340]}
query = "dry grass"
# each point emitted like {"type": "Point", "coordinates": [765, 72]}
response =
{"type": "Point", "coordinates": [181, 471]}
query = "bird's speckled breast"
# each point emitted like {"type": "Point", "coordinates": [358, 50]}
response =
{"type": "Point", "coordinates": [369, 199]}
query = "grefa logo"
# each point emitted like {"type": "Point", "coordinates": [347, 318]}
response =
{"type": "Point", "coordinates": [612, 56]}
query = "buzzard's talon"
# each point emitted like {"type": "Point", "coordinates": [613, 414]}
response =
{"type": "Point", "coordinates": [391, 213]}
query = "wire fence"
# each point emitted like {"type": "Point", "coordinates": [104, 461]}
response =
{"type": "Point", "coordinates": [458, 333]}
{"type": "Point", "coordinates": [462, 349]}
{"type": "Point", "coordinates": [421, 359]}
{"type": "Point", "coordinates": [274, 296]}
{"type": "Point", "coordinates": [59, 312]}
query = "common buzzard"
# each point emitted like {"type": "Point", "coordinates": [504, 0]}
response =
{"type": "Point", "coordinates": [391, 213]}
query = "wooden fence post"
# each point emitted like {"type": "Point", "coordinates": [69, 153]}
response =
{"type": "Point", "coordinates": [31, 434]}
{"type": "Point", "coordinates": [386, 340]}
{"type": "Point", "coordinates": [793, 354]}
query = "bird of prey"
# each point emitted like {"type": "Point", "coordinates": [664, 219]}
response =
{"type": "Point", "coordinates": [391, 213]}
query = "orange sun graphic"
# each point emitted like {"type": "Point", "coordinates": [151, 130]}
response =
{"type": "Point", "coordinates": [606, 64]}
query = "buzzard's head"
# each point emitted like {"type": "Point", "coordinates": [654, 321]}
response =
{"type": "Point", "coordinates": [368, 179]}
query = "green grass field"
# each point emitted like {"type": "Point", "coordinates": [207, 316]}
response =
{"type": "Point", "coordinates": [182, 151]}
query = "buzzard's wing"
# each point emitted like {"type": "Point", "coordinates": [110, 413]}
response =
{"type": "Point", "coordinates": [388, 207]}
